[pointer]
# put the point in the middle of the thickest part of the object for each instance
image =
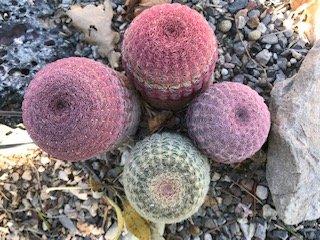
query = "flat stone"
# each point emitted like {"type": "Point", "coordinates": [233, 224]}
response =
{"type": "Point", "coordinates": [237, 5]}
{"type": "Point", "coordinates": [294, 145]}
{"type": "Point", "coordinates": [263, 57]}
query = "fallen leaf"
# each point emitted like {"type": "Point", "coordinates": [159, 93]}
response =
{"type": "Point", "coordinates": [157, 122]}
{"type": "Point", "coordinates": [135, 7]}
{"type": "Point", "coordinates": [311, 10]}
{"type": "Point", "coordinates": [87, 229]}
{"type": "Point", "coordinates": [16, 147]}
{"type": "Point", "coordinates": [134, 223]}
{"type": "Point", "coordinates": [297, 3]}
{"type": "Point", "coordinates": [95, 23]}
{"type": "Point", "coordinates": [120, 218]}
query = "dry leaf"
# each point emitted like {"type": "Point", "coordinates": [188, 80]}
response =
{"type": "Point", "coordinates": [120, 219]}
{"type": "Point", "coordinates": [95, 23]}
{"type": "Point", "coordinates": [16, 147]}
{"type": "Point", "coordinates": [87, 229]}
{"type": "Point", "coordinates": [157, 122]}
{"type": "Point", "coordinates": [297, 3]}
{"type": "Point", "coordinates": [137, 225]}
{"type": "Point", "coordinates": [135, 7]}
{"type": "Point", "coordinates": [311, 9]}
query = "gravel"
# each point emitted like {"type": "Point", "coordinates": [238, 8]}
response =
{"type": "Point", "coordinates": [255, 49]}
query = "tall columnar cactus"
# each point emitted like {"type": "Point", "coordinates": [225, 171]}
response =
{"type": "Point", "coordinates": [76, 108]}
{"type": "Point", "coordinates": [229, 122]}
{"type": "Point", "coordinates": [169, 51]}
{"type": "Point", "coordinates": [167, 178]}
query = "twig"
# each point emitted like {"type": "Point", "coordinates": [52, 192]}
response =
{"type": "Point", "coordinates": [66, 188]}
{"type": "Point", "coordinates": [247, 191]}
{"type": "Point", "coordinates": [10, 114]}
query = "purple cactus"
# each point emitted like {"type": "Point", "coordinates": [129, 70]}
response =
{"type": "Point", "coordinates": [229, 122]}
{"type": "Point", "coordinates": [76, 108]}
{"type": "Point", "coordinates": [169, 51]}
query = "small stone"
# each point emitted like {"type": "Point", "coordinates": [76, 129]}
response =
{"type": "Point", "coordinates": [260, 232]}
{"type": "Point", "coordinates": [268, 212]}
{"type": "Point", "coordinates": [262, 192]}
{"type": "Point", "coordinates": [63, 176]}
{"type": "Point", "coordinates": [241, 22]}
{"type": "Point", "coordinates": [216, 176]}
{"type": "Point", "coordinates": [263, 57]}
{"type": "Point", "coordinates": [225, 26]}
{"type": "Point", "coordinates": [224, 72]}
{"type": "Point", "coordinates": [207, 236]}
{"type": "Point", "coordinates": [209, 223]}
{"type": "Point", "coordinates": [254, 35]}
{"type": "Point", "coordinates": [270, 39]}
{"type": "Point", "coordinates": [27, 175]}
{"type": "Point", "coordinates": [295, 54]}
{"type": "Point", "coordinates": [262, 28]}
{"type": "Point", "coordinates": [278, 235]}
{"type": "Point", "coordinates": [67, 223]}
{"type": "Point", "coordinates": [253, 22]}
{"type": "Point", "coordinates": [237, 5]}
{"type": "Point", "coordinates": [15, 176]}
{"type": "Point", "coordinates": [239, 48]}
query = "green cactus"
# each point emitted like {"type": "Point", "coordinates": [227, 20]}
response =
{"type": "Point", "coordinates": [166, 178]}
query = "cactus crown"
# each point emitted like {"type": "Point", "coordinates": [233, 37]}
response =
{"type": "Point", "coordinates": [170, 52]}
{"type": "Point", "coordinates": [167, 178]}
{"type": "Point", "coordinates": [229, 122]}
{"type": "Point", "coordinates": [76, 108]}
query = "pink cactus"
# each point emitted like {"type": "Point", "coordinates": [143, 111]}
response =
{"type": "Point", "coordinates": [229, 122]}
{"type": "Point", "coordinates": [169, 51]}
{"type": "Point", "coordinates": [76, 108]}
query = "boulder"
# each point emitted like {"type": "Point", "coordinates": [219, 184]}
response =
{"type": "Point", "coordinates": [293, 167]}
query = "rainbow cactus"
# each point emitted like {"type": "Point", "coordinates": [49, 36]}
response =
{"type": "Point", "coordinates": [169, 52]}
{"type": "Point", "coordinates": [229, 122]}
{"type": "Point", "coordinates": [167, 178]}
{"type": "Point", "coordinates": [76, 108]}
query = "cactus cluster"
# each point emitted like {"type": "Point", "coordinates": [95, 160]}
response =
{"type": "Point", "coordinates": [169, 51]}
{"type": "Point", "coordinates": [229, 122]}
{"type": "Point", "coordinates": [167, 178]}
{"type": "Point", "coordinates": [76, 108]}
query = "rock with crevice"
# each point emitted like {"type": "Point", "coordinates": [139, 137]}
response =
{"type": "Point", "coordinates": [294, 146]}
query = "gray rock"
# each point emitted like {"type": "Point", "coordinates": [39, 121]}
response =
{"type": "Point", "coordinates": [262, 192]}
{"type": "Point", "coordinates": [263, 57]}
{"type": "Point", "coordinates": [294, 146]}
{"type": "Point", "coordinates": [254, 35]}
{"type": "Point", "coordinates": [270, 39]}
{"type": "Point", "coordinates": [261, 230]}
{"type": "Point", "coordinates": [237, 5]}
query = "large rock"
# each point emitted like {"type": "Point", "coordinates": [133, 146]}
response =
{"type": "Point", "coordinates": [293, 168]}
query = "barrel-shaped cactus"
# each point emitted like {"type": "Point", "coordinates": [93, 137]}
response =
{"type": "Point", "coordinates": [76, 108]}
{"type": "Point", "coordinates": [166, 178]}
{"type": "Point", "coordinates": [169, 51]}
{"type": "Point", "coordinates": [229, 122]}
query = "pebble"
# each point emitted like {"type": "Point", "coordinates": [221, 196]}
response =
{"type": "Point", "coordinates": [207, 236]}
{"type": "Point", "coordinates": [67, 223]}
{"type": "Point", "coordinates": [262, 192]}
{"type": "Point", "coordinates": [268, 212]}
{"type": "Point", "coordinates": [209, 223]}
{"type": "Point", "coordinates": [27, 175]}
{"type": "Point", "coordinates": [15, 176]}
{"type": "Point", "coordinates": [225, 26]}
{"type": "Point", "coordinates": [263, 57]}
{"type": "Point", "coordinates": [278, 234]}
{"type": "Point", "coordinates": [270, 39]}
{"type": "Point", "coordinates": [260, 232]}
{"type": "Point", "coordinates": [237, 5]}
{"type": "Point", "coordinates": [216, 176]}
{"type": "Point", "coordinates": [262, 28]}
{"type": "Point", "coordinates": [224, 72]}
{"type": "Point", "coordinates": [63, 176]}
{"type": "Point", "coordinates": [254, 35]}
{"type": "Point", "coordinates": [241, 22]}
